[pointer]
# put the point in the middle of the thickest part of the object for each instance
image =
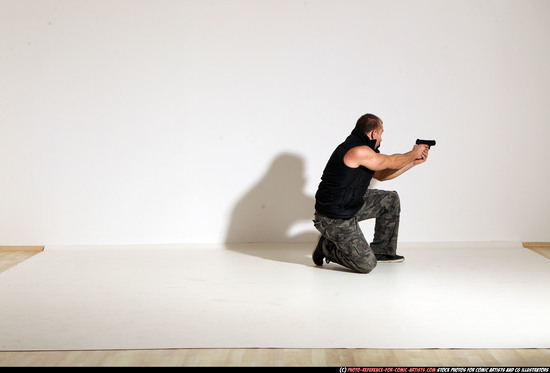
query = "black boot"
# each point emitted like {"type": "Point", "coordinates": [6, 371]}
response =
{"type": "Point", "coordinates": [318, 254]}
{"type": "Point", "coordinates": [381, 258]}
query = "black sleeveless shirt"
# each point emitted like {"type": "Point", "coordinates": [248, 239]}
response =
{"type": "Point", "coordinates": [341, 191]}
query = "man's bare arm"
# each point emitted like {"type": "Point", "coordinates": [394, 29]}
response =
{"type": "Point", "coordinates": [389, 174]}
{"type": "Point", "coordinates": [365, 156]}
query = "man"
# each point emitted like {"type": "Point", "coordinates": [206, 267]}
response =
{"type": "Point", "coordinates": [343, 199]}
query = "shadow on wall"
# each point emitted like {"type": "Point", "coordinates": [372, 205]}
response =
{"type": "Point", "coordinates": [270, 210]}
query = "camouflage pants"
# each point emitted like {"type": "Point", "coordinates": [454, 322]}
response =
{"type": "Point", "coordinates": [346, 245]}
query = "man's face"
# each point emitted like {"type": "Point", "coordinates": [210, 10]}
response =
{"type": "Point", "coordinates": [377, 134]}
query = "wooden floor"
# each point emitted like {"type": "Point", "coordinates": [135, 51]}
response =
{"type": "Point", "coordinates": [273, 357]}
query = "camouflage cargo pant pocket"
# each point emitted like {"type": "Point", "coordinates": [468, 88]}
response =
{"type": "Point", "coordinates": [345, 243]}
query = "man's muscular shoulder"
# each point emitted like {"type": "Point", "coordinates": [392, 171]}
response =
{"type": "Point", "coordinates": [358, 155]}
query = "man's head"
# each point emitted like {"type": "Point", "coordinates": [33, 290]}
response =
{"type": "Point", "coordinates": [372, 126]}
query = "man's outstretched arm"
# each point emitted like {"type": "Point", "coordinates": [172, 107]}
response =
{"type": "Point", "coordinates": [366, 157]}
{"type": "Point", "coordinates": [388, 174]}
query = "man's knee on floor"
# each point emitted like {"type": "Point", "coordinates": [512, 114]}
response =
{"type": "Point", "coordinates": [365, 266]}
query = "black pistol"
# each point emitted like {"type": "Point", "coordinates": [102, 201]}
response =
{"type": "Point", "coordinates": [430, 143]}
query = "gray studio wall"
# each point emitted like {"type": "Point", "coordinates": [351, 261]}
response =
{"type": "Point", "coordinates": [208, 121]}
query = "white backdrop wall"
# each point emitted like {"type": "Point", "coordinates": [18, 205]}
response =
{"type": "Point", "coordinates": [208, 121]}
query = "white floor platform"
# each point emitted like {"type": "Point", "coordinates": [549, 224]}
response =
{"type": "Point", "coordinates": [443, 296]}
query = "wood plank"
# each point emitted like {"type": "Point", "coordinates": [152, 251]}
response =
{"type": "Point", "coordinates": [530, 245]}
{"type": "Point", "coordinates": [281, 357]}
{"type": "Point", "coordinates": [541, 251]}
{"type": "Point", "coordinates": [21, 248]}
{"type": "Point", "coordinates": [9, 259]}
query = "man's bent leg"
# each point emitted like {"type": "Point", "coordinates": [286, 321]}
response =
{"type": "Point", "coordinates": [386, 208]}
{"type": "Point", "coordinates": [345, 244]}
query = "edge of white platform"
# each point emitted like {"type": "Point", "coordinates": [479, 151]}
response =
{"type": "Point", "coordinates": [134, 247]}
{"type": "Point", "coordinates": [218, 246]}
